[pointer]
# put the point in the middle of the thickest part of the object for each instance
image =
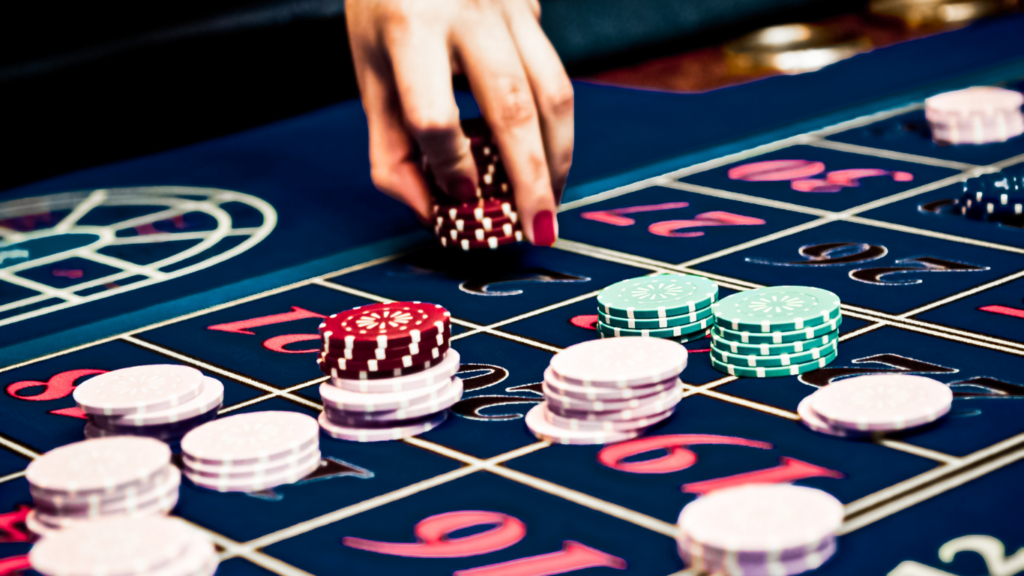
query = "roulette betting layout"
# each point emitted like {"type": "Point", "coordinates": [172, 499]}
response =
{"type": "Point", "coordinates": [227, 256]}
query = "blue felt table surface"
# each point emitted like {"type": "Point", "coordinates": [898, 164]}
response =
{"type": "Point", "coordinates": [314, 169]}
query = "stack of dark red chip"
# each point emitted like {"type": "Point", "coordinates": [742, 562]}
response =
{"type": "Point", "coordinates": [488, 221]}
{"type": "Point", "coordinates": [392, 372]}
{"type": "Point", "coordinates": [384, 340]}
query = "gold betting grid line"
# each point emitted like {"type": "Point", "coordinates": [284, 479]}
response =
{"type": "Point", "coordinates": [493, 465]}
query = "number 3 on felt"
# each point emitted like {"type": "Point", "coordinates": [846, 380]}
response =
{"type": "Point", "coordinates": [433, 542]}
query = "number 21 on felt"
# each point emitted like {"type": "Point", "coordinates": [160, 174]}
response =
{"type": "Point", "coordinates": [433, 541]}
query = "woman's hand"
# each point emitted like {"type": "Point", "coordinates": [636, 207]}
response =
{"type": "Point", "coordinates": [406, 52]}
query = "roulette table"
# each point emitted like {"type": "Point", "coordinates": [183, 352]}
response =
{"type": "Point", "coordinates": [226, 255]}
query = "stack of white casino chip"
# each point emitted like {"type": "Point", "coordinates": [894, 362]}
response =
{"type": "Point", "coordinates": [108, 477]}
{"type": "Point", "coordinates": [978, 115]}
{"type": "Point", "coordinates": [610, 390]}
{"type": "Point", "coordinates": [875, 403]}
{"type": "Point", "coordinates": [759, 530]}
{"type": "Point", "coordinates": [392, 371]}
{"type": "Point", "coordinates": [252, 452]}
{"type": "Point", "coordinates": [391, 408]}
{"type": "Point", "coordinates": [162, 401]}
{"type": "Point", "coordinates": [148, 546]}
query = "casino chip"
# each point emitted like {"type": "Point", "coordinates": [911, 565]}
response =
{"type": "Point", "coordinates": [537, 422]}
{"type": "Point", "coordinates": [682, 331]}
{"type": "Point", "coordinates": [660, 296]}
{"type": "Point", "coordinates": [977, 115]}
{"type": "Point", "coordinates": [811, 419]}
{"type": "Point", "coordinates": [369, 399]}
{"type": "Point", "coordinates": [109, 477]}
{"type": "Point", "coordinates": [653, 323]}
{"type": "Point", "coordinates": [391, 431]}
{"type": "Point", "coordinates": [161, 401]}
{"type": "Point", "coordinates": [723, 344]}
{"type": "Point", "coordinates": [556, 387]}
{"type": "Point", "coordinates": [776, 309]}
{"type": "Point", "coordinates": [879, 403]}
{"type": "Point", "coordinates": [785, 337]}
{"type": "Point", "coordinates": [788, 359]}
{"type": "Point", "coordinates": [440, 372]}
{"type": "Point", "coordinates": [125, 546]}
{"type": "Point", "coordinates": [775, 332]}
{"type": "Point", "coordinates": [996, 197]}
{"type": "Point", "coordinates": [605, 391]}
{"type": "Point", "coordinates": [385, 325]}
{"type": "Point", "coordinates": [759, 529]}
{"type": "Point", "coordinates": [490, 220]}
{"type": "Point", "coordinates": [674, 307]}
{"type": "Point", "coordinates": [619, 362]}
{"type": "Point", "coordinates": [138, 389]}
{"type": "Point", "coordinates": [773, 372]}
{"type": "Point", "coordinates": [252, 452]}
{"type": "Point", "coordinates": [251, 438]}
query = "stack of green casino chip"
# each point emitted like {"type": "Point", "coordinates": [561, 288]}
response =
{"type": "Point", "coordinates": [672, 306]}
{"type": "Point", "coordinates": [775, 332]}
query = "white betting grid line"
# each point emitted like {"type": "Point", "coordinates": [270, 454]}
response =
{"type": "Point", "coordinates": [911, 484]}
{"type": "Point", "coordinates": [212, 368]}
{"type": "Point", "coordinates": [95, 198]}
{"type": "Point", "coordinates": [891, 155]}
{"type": "Point", "coordinates": [18, 448]}
{"type": "Point", "coordinates": [918, 451]}
{"type": "Point", "coordinates": [927, 492]}
{"type": "Point", "coordinates": [933, 234]}
{"type": "Point", "coordinates": [12, 476]}
{"type": "Point", "coordinates": [801, 139]}
{"type": "Point", "coordinates": [286, 392]}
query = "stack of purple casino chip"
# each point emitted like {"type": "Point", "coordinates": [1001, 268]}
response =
{"type": "Point", "coordinates": [759, 530]}
{"type": "Point", "coordinates": [252, 452]}
{"type": "Point", "coordinates": [876, 403]}
{"type": "Point", "coordinates": [605, 391]}
{"type": "Point", "coordinates": [93, 479]}
{"type": "Point", "coordinates": [160, 401]}
{"type": "Point", "coordinates": [391, 408]}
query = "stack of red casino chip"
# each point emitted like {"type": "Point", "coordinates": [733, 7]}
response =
{"type": "Point", "coordinates": [978, 115]}
{"type": "Point", "coordinates": [392, 371]}
{"type": "Point", "coordinates": [489, 220]}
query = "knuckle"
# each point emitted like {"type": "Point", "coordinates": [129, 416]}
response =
{"type": "Point", "coordinates": [515, 103]}
{"type": "Point", "coordinates": [559, 102]}
{"type": "Point", "coordinates": [431, 124]}
{"type": "Point", "coordinates": [535, 8]}
{"type": "Point", "coordinates": [561, 162]}
{"type": "Point", "coordinates": [382, 179]}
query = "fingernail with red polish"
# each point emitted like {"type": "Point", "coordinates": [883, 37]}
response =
{"type": "Point", "coordinates": [544, 228]}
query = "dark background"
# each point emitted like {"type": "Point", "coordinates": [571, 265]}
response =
{"type": "Point", "coordinates": [83, 84]}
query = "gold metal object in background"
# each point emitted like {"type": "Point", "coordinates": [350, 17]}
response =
{"type": "Point", "coordinates": [940, 13]}
{"type": "Point", "coordinates": [791, 49]}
